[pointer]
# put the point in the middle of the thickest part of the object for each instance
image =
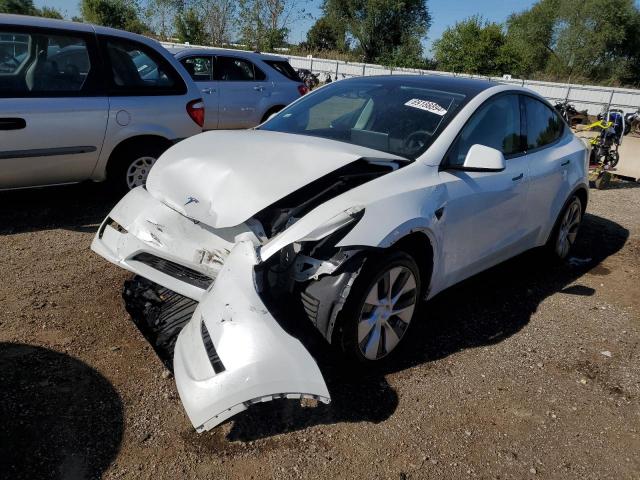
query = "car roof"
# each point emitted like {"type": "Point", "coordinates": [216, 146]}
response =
{"type": "Point", "coordinates": [40, 22]}
{"type": "Point", "coordinates": [469, 87]}
{"type": "Point", "coordinates": [181, 52]}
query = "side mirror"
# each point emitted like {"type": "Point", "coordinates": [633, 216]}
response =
{"type": "Point", "coordinates": [481, 158]}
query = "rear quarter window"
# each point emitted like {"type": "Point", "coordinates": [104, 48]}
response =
{"type": "Point", "coordinates": [284, 68]}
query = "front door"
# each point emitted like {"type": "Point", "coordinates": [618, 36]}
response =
{"type": "Point", "coordinates": [484, 211]}
{"type": "Point", "coordinates": [53, 114]}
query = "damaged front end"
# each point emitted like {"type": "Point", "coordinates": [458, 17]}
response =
{"type": "Point", "coordinates": [233, 352]}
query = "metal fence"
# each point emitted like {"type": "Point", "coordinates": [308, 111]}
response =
{"type": "Point", "coordinates": [584, 97]}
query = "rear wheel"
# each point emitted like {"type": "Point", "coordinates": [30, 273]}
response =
{"type": "Point", "coordinates": [131, 167]}
{"type": "Point", "coordinates": [380, 308]}
{"type": "Point", "coordinates": [566, 229]}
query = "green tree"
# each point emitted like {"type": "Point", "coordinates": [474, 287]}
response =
{"type": "Point", "coordinates": [326, 35]}
{"type": "Point", "coordinates": [48, 12]}
{"type": "Point", "coordinates": [120, 14]}
{"type": "Point", "coordinates": [190, 27]}
{"type": "Point", "coordinates": [21, 7]}
{"type": "Point", "coordinates": [471, 46]}
{"type": "Point", "coordinates": [583, 40]}
{"type": "Point", "coordinates": [382, 28]}
{"type": "Point", "coordinates": [264, 24]}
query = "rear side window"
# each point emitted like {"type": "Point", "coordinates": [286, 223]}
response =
{"type": "Point", "coordinates": [231, 69]}
{"type": "Point", "coordinates": [41, 64]}
{"type": "Point", "coordinates": [200, 68]}
{"type": "Point", "coordinates": [139, 70]}
{"type": "Point", "coordinates": [283, 68]}
{"type": "Point", "coordinates": [544, 126]}
{"type": "Point", "coordinates": [495, 124]}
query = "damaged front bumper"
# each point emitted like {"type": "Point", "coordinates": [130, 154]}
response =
{"type": "Point", "coordinates": [233, 353]}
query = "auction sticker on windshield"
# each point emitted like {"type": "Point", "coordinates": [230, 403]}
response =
{"type": "Point", "coordinates": [426, 105]}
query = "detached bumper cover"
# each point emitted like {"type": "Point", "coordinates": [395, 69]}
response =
{"type": "Point", "coordinates": [233, 353]}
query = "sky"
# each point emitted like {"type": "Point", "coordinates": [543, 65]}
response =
{"type": "Point", "coordinates": [444, 13]}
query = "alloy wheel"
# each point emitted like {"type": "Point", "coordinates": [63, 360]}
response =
{"type": "Point", "coordinates": [387, 312]}
{"type": "Point", "coordinates": [568, 230]}
{"type": "Point", "coordinates": [138, 171]}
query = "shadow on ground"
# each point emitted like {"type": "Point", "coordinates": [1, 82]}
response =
{"type": "Point", "coordinates": [483, 310]}
{"type": "Point", "coordinates": [79, 208]}
{"type": "Point", "coordinates": [59, 418]}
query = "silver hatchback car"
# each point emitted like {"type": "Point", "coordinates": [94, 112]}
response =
{"type": "Point", "coordinates": [82, 102]}
{"type": "Point", "coordinates": [240, 89]}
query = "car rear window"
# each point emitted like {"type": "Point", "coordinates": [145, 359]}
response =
{"type": "Point", "coordinates": [283, 67]}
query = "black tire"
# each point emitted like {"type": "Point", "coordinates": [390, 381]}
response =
{"type": "Point", "coordinates": [351, 315]}
{"type": "Point", "coordinates": [270, 112]}
{"type": "Point", "coordinates": [119, 174]}
{"type": "Point", "coordinates": [567, 230]}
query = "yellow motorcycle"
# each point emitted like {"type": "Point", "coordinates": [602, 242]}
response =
{"type": "Point", "coordinates": [604, 154]}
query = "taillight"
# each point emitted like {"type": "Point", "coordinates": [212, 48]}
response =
{"type": "Point", "coordinates": [303, 89]}
{"type": "Point", "coordinates": [195, 109]}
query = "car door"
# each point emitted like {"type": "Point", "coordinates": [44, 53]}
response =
{"type": "Point", "coordinates": [549, 162]}
{"type": "Point", "coordinates": [483, 211]}
{"type": "Point", "coordinates": [53, 109]}
{"type": "Point", "coordinates": [201, 68]}
{"type": "Point", "coordinates": [243, 88]}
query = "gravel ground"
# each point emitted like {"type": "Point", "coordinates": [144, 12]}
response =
{"type": "Point", "coordinates": [525, 371]}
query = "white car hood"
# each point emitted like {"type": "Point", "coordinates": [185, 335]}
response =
{"type": "Point", "coordinates": [223, 178]}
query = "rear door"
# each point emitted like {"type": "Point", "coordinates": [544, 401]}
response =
{"type": "Point", "coordinates": [201, 68]}
{"type": "Point", "coordinates": [53, 110]}
{"type": "Point", "coordinates": [483, 212]}
{"type": "Point", "coordinates": [243, 90]}
{"type": "Point", "coordinates": [549, 162]}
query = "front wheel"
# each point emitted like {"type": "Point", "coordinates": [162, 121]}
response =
{"type": "Point", "coordinates": [566, 229]}
{"type": "Point", "coordinates": [380, 308]}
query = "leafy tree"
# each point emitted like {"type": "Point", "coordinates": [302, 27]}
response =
{"type": "Point", "coordinates": [470, 46]}
{"type": "Point", "coordinates": [264, 24]}
{"type": "Point", "coordinates": [325, 34]}
{"type": "Point", "coordinates": [190, 27]}
{"type": "Point", "coordinates": [120, 14]}
{"type": "Point", "coordinates": [21, 7]}
{"type": "Point", "coordinates": [382, 28]}
{"type": "Point", "coordinates": [48, 12]}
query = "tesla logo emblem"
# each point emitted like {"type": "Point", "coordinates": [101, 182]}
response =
{"type": "Point", "coordinates": [191, 200]}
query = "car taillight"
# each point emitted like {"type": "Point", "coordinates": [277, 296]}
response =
{"type": "Point", "coordinates": [303, 89]}
{"type": "Point", "coordinates": [195, 109]}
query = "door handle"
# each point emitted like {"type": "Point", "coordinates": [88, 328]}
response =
{"type": "Point", "coordinates": [258, 88]}
{"type": "Point", "coordinates": [519, 177]}
{"type": "Point", "coordinates": [564, 164]}
{"type": "Point", "coordinates": [12, 123]}
{"type": "Point", "coordinates": [208, 91]}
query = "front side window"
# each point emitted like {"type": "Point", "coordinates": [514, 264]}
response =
{"type": "Point", "coordinates": [200, 68]}
{"type": "Point", "coordinates": [544, 126]}
{"type": "Point", "coordinates": [394, 116]}
{"type": "Point", "coordinates": [495, 124]}
{"type": "Point", "coordinates": [40, 64]}
{"type": "Point", "coordinates": [136, 69]}
{"type": "Point", "coordinates": [231, 69]}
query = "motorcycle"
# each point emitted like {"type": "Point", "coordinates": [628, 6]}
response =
{"type": "Point", "coordinates": [570, 114]}
{"type": "Point", "coordinates": [309, 78]}
{"type": "Point", "coordinates": [632, 122]}
{"type": "Point", "coordinates": [604, 155]}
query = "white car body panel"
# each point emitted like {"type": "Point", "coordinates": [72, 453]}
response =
{"type": "Point", "coordinates": [244, 172]}
{"type": "Point", "coordinates": [205, 191]}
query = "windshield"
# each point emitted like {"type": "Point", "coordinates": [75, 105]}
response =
{"type": "Point", "coordinates": [397, 117]}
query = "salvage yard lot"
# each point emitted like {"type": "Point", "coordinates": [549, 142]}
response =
{"type": "Point", "coordinates": [527, 370]}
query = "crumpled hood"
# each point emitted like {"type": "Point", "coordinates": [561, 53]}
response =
{"type": "Point", "coordinates": [223, 178]}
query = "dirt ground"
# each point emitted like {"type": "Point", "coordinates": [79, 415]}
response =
{"type": "Point", "coordinates": [526, 371]}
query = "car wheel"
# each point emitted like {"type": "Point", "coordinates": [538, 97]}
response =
{"type": "Point", "coordinates": [380, 308]}
{"type": "Point", "coordinates": [566, 230]}
{"type": "Point", "coordinates": [133, 166]}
